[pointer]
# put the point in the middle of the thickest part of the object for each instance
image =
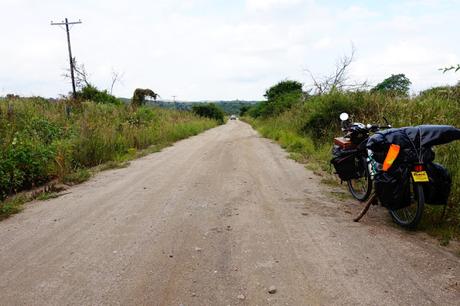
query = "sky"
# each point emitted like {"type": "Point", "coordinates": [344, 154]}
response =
{"type": "Point", "coordinates": [224, 50]}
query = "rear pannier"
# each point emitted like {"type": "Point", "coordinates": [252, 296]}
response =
{"type": "Point", "coordinates": [346, 163]}
{"type": "Point", "coordinates": [393, 187]}
{"type": "Point", "coordinates": [438, 190]}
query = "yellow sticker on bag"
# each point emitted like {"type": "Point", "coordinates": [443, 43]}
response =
{"type": "Point", "coordinates": [420, 176]}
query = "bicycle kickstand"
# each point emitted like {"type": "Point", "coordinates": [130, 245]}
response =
{"type": "Point", "coordinates": [369, 202]}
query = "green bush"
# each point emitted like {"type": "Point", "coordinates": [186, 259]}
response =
{"type": "Point", "coordinates": [23, 164]}
{"type": "Point", "coordinates": [396, 84]}
{"type": "Point", "coordinates": [209, 110]}
{"type": "Point", "coordinates": [280, 98]}
{"type": "Point", "coordinates": [91, 93]}
{"type": "Point", "coordinates": [283, 88]}
{"type": "Point", "coordinates": [320, 113]}
{"type": "Point", "coordinates": [39, 142]}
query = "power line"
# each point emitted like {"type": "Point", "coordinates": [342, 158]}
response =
{"type": "Point", "coordinates": [67, 23]}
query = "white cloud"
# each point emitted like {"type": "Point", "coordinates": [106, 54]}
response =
{"type": "Point", "coordinates": [271, 4]}
{"type": "Point", "coordinates": [420, 63]}
{"type": "Point", "coordinates": [204, 49]}
{"type": "Point", "coordinates": [323, 43]}
{"type": "Point", "coordinates": [358, 12]}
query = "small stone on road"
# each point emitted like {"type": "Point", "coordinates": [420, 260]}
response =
{"type": "Point", "coordinates": [272, 290]}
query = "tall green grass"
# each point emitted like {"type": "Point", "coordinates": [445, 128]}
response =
{"type": "Point", "coordinates": [307, 130]}
{"type": "Point", "coordinates": [41, 141]}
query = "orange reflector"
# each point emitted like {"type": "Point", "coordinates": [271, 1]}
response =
{"type": "Point", "coordinates": [391, 156]}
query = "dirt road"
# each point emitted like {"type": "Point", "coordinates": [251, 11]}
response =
{"type": "Point", "coordinates": [215, 220]}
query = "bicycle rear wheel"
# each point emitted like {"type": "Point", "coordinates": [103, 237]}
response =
{"type": "Point", "coordinates": [410, 216]}
{"type": "Point", "coordinates": [361, 188]}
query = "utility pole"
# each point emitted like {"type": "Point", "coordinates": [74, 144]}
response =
{"type": "Point", "coordinates": [72, 76]}
{"type": "Point", "coordinates": [174, 99]}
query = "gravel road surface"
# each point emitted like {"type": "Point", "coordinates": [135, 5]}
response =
{"type": "Point", "coordinates": [221, 218]}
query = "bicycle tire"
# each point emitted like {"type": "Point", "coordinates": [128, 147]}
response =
{"type": "Point", "coordinates": [400, 216]}
{"type": "Point", "coordinates": [366, 190]}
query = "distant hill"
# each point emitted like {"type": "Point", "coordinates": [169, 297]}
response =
{"type": "Point", "coordinates": [229, 107]}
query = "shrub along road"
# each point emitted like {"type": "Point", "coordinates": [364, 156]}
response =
{"type": "Point", "coordinates": [216, 219]}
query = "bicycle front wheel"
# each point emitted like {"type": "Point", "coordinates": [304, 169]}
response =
{"type": "Point", "coordinates": [410, 216]}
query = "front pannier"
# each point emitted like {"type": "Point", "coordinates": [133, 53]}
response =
{"type": "Point", "coordinates": [438, 190]}
{"type": "Point", "coordinates": [346, 163]}
{"type": "Point", "coordinates": [393, 187]}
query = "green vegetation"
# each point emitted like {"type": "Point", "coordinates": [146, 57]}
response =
{"type": "Point", "coordinates": [244, 109]}
{"type": "Point", "coordinates": [283, 88]}
{"type": "Point", "coordinates": [91, 93]}
{"type": "Point", "coordinates": [47, 196]}
{"type": "Point", "coordinates": [306, 129]}
{"type": "Point", "coordinates": [209, 110]}
{"type": "Point", "coordinates": [41, 140]}
{"type": "Point", "coordinates": [11, 207]}
{"type": "Point", "coordinates": [280, 97]}
{"type": "Point", "coordinates": [396, 84]}
{"type": "Point", "coordinates": [234, 107]}
{"type": "Point", "coordinates": [229, 107]}
{"type": "Point", "coordinates": [77, 176]}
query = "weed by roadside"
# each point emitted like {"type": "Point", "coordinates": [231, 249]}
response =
{"type": "Point", "coordinates": [47, 196]}
{"type": "Point", "coordinates": [10, 207]}
{"type": "Point", "coordinates": [41, 141]}
{"type": "Point", "coordinates": [77, 177]}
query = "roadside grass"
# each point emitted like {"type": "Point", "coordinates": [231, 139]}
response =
{"type": "Point", "coordinates": [47, 196]}
{"type": "Point", "coordinates": [77, 177]}
{"type": "Point", "coordinates": [40, 141]}
{"type": "Point", "coordinates": [10, 207]}
{"type": "Point", "coordinates": [331, 181]}
{"type": "Point", "coordinates": [307, 129]}
{"type": "Point", "coordinates": [114, 164]}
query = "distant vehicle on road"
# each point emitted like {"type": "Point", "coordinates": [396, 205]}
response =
{"type": "Point", "coordinates": [233, 117]}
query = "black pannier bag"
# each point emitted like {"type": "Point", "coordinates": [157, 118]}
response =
{"type": "Point", "coordinates": [393, 187]}
{"type": "Point", "coordinates": [437, 191]}
{"type": "Point", "coordinates": [345, 163]}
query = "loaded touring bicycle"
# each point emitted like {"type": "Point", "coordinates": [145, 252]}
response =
{"type": "Point", "coordinates": [397, 164]}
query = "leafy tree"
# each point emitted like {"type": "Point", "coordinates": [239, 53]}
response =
{"type": "Point", "coordinates": [397, 84]}
{"type": "Point", "coordinates": [244, 109]}
{"type": "Point", "coordinates": [210, 110]}
{"type": "Point", "coordinates": [283, 87]}
{"type": "Point", "coordinates": [140, 94]}
{"type": "Point", "coordinates": [280, 98]}
{"type": "Point", "coordinates": [257, 110]}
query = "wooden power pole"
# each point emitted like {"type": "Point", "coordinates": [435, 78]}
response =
{"type": "Point", "coordinates": [72, 76]}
